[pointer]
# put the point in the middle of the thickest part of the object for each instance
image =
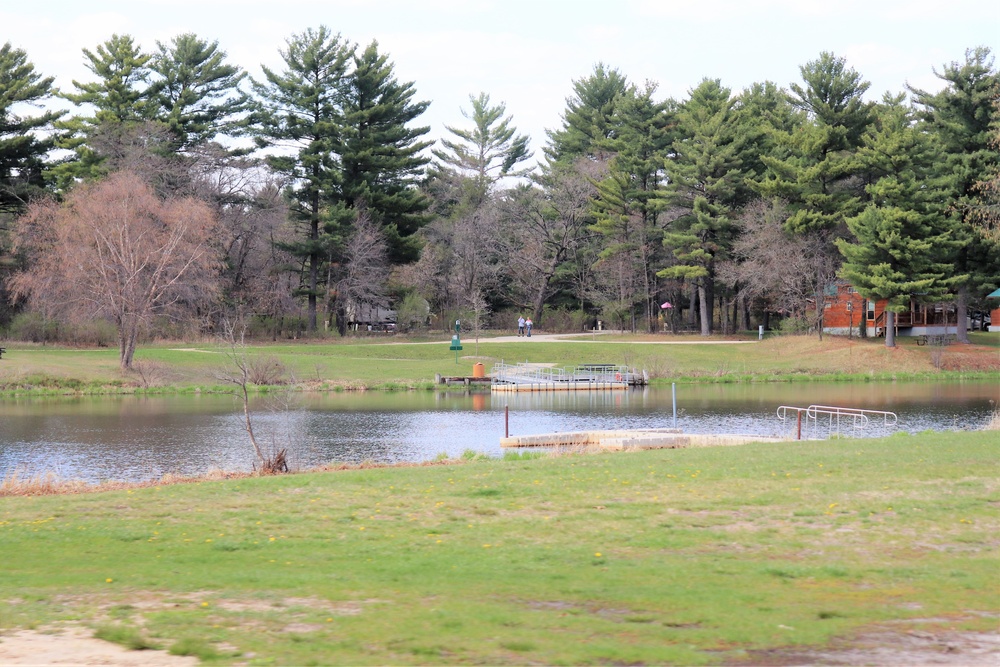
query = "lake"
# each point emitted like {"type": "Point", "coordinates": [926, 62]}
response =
{"type": "Point", "coordinates": [137, 438]}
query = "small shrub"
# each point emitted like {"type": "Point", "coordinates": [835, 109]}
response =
{"type": "Point", "coordinates": [198, 648]}
{"type": "Point", "coordinates": [33, 328]}
{"type": "Point", "coordinates": [266, 370]}
{"type": "Point", "coordinates": [124, 635]}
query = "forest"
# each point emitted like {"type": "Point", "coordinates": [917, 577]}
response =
{"type": "Point", "coordinates": [178, 194]}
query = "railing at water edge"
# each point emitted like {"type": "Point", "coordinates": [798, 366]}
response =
{"type": "Point", "coordinates": [527, 373]}
{"type": "Point", "coordinates": [835, 418]}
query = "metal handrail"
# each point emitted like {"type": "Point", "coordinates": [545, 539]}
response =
{"type": "Point", "coordinates": [522, 373]}
{"type": "Point", "coordinates": [859, 417]}
{"type": "Point", "coordinates": [833, 410]}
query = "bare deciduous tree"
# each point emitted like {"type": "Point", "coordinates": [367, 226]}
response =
{"type": "Point", "coordinates": [114, 249]}
{"type": "Point", "coordinates": [363, 275]}
{"type": "Point", "coordinates": [786, 272]}
{"type": "Point", "coordinates": [543, 232]}
{"type": "Point", "coordinates": [242, 372]}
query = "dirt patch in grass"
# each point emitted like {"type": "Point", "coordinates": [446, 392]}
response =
{"type": "Point", "coordinates": [76, 646]}
{"type": "Point", "coordinates": [887, 648]}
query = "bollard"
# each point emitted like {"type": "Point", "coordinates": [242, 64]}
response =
{"type": "Point", "coordinates": [673, 392]}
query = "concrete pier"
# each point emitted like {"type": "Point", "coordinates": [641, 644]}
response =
{"type": "Point", "coordinates": [659, 438]}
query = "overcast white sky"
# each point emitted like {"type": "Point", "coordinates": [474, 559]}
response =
{"type": "Point", "coordinates": [527, 53]}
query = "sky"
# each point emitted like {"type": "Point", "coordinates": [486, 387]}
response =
{"type": "Point", "coordinates": [527, 53]}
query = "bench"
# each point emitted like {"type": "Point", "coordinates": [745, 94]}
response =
{"type": "Point", "coordinates": [936, 339]}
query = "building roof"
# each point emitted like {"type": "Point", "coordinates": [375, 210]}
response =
{"type": "Point", "coordinates": [995, 294]}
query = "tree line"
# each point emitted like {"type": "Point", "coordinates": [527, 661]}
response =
{"type": "Point", "coordinates": [180, 192]}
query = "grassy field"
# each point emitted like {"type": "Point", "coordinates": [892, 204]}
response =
{"type": "Point", "coordinates": [394, 363]}
{"type": "Point", "coordinates": [697, 556]}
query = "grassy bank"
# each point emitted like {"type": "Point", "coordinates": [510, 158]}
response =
{"type": "Point", "coordinates": [695, 556]}
{"type": "Point", "coordinates": [395, 363]}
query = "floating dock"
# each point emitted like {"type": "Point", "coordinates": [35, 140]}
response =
{"type": "Point", "coordinates": [655, 438]}
{"type": "Point", "coordinates": [545, 377]}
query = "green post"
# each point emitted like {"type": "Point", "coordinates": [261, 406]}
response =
{"type": "Point", "coordinates": [456, 341]}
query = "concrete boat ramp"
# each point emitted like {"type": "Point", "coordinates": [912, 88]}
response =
{"type": "Point", "coordinates": [654, 438]}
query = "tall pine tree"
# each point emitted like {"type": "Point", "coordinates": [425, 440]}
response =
{"type": "Point", "coordinates": [120, 97]}
{"type": "Point", "coordinates": [301, 109]}
{"type": "Point", "coordinates": [904, 248]}
{"type": "Point", "coordinates": [23, 150]}
{"type": "Point", "coordinates": [197, 93]}
{"type": "Point", "coordinates": [961, 117]}
{"type": "Point", "coordinates": [706, 181]}
{"type": "Point", "coordinates": [381, 155]}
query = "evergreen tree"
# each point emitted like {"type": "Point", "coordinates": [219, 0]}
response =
{"type": "Point", "coordinates": [197, 93]}
{"type": "Point", "coordinates": [590, 117]}
{"type": "Point", "coordinates": [22, 151]}
{"type": "Point", "coordinates": [301, 108]}
{"type": "Point", "coordinates": [816, 175]}
{"type": "Point", "coordinates": [815, 171]}
{"type": "Point", "coordinates": [491, 150]}
{"type": "Point", "coordinates": [904, 246]}
{"type": "Point", "coordinates": [381, 156]}
{"type": "Point", "coordinates": [629, 204]}
{"type": "Point", "coordinates": [706, 180]}
{"type": "Point", "coordinates": [120, 97]}
{"type": "Point", "coordinates": [961, 116]}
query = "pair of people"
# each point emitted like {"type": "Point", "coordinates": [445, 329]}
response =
{"type": "Point", "coordinates": [524, 325]}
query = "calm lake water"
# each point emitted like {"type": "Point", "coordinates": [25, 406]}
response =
{"type": "Point", "coordinates": [139, 438]}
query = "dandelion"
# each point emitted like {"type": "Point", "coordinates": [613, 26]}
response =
{"type": "Point", "coordinates": [204, 604]}
{"type": "Point", "coordinates": [831, 505]}
{"type": "Point", "coordinates": [597, 555]}
{"type": "Point", "coordinates": [108, 580]}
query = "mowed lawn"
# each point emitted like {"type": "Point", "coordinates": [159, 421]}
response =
{"type": "Point", "coordinates": [695, 556]}
{"type": "Point", "coordinates": [392, 362]}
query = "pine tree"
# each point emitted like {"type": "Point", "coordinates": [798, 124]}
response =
{"type": "Point", "coordinates": [629, 204]}
{"type": "Point", "coordinates": [197, 94]}
{"type": "Point", "coordinates": [706, 180]}
{"type": "Point", "coordinates": [22, 151]}
{"type": "Point", "coordinates": [380, 155]}
{"type": "Point", "coordinates": [302, 108]}
{"type": "Point", "coordinates": [488, 152]}
{"type": "Point", "coordinates": [961, 116]}
{"type": "Point", "coordinates": [904, 247]}
{"type": "Point", "coordinates": [815, 176]}
{"type": "Point", "coordinates": [590, 118]}
{"type": "Point", "coordinates": [120, 97]}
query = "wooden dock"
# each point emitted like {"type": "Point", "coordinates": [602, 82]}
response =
{"type": "Point", "coordinates": [656, 438]}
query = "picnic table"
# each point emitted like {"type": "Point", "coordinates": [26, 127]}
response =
{"type": "Point", "coordinates": [936, 339]}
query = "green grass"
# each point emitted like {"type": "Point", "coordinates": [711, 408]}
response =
{"type": "Point", "coordinates": [669, 557]}
{"type": "Point", "coordinates": [396, 364]}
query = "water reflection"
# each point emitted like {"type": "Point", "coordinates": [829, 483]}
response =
{"type": "Point", "coordinates": [137, 438]}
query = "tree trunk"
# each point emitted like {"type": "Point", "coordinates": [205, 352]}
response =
{"type": "Point", "coordinates": [819, 313]}
{"type": "Point", "coordinates": [890, 329]}
{"type": "Point", "coordinates": [693, 306]}
{"type": "Point", "coordinates": [703, 306]}
{"type": "Point", "coordinates": [962, 313]}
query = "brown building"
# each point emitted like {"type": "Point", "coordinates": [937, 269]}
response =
{"type": "Point", "coordinates": [844, 309]}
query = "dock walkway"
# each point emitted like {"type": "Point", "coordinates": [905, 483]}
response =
{"type": "Point", "coordinates": [544, 377]}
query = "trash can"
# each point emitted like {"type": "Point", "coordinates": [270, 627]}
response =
{"type": "Point", "coordinates": [478, 370]}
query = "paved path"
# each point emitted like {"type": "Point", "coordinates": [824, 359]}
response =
{"type": "Point", "coordinates": [592, 337]}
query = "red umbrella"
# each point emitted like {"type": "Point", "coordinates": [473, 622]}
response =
{"type": "Point", "coordinates": [665, 304]}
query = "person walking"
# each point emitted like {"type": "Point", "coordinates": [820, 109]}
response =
{"type": "Point", "coordinates": [527, 326]}
{"type": "Point", "coordinates": [520, 326]}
